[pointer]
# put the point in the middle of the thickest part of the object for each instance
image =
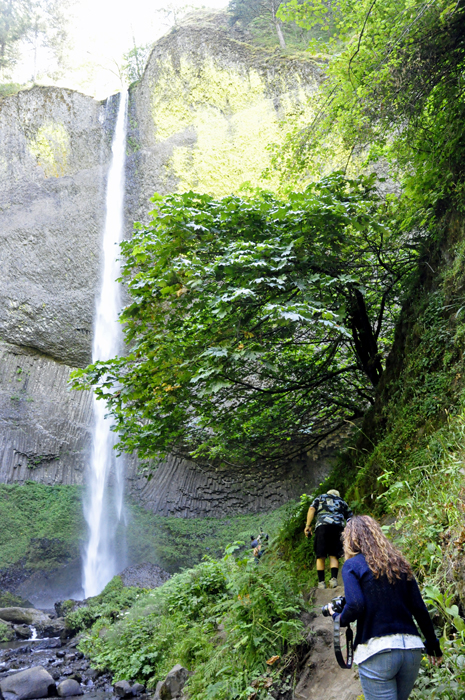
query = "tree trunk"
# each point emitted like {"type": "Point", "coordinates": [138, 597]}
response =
{"type": "Point", "coordinates": [273, 6]}
{"type": "Point", "coordinates": [280, 34]}
{"type": "Point", "coordinates": [364, 339]}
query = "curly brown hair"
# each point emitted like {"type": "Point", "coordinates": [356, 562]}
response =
{"type": "Point", "coordinates": [363, 535]}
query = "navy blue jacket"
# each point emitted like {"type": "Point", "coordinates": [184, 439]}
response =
{"type": "Point", "coordinates": [383, 608]}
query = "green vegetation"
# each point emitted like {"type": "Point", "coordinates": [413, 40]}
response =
{"type": "Point", "coordinates": [6, 633]}
{"type": "Point", "coordinates": [258, 18]}
{"type": "Point", "coordinates": [222, 619]}
{"type": "Point", "coordinates": [135, 62]}
{"type": "Point", "coordinates": [9, 600]}
{"type": "Point", "coordinates": [108, 605]}
{"type": "Point", "coordinates": [249, 11]}
{"type": "Point", "coordinates": [394, 96]}
{"type": "Point", "coordinates": [10, 89]}
{"type": "Point", "coordinates": [176, 543]}
{"type": "Point", "coordinates": [44, 528]}
{"type": "Point", "coordinates": [257, 326]}
{"type": "Point", "coordinates": [41, 525]}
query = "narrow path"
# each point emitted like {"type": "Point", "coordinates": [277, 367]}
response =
{"type": "Point", "coordinates": [322, 678]}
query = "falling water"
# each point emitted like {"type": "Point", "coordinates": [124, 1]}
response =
{"type": "Point", "coordinates": [103, 511]}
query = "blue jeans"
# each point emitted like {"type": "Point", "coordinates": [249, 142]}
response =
{"type": "Point", "coordinates": [390, 674]}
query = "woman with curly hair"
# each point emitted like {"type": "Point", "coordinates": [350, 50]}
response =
{"type": "Point", "coordinates": [382, 595]}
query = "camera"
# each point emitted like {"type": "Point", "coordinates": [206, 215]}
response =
{"type": "Point", "coordinates": [337, 603]}
{"type": "Point", "coordinates": [338, 606]}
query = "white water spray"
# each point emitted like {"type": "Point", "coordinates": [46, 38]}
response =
{"type": "Point", "coordinates": [100, 558]}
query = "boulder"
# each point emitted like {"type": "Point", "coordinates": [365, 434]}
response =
{"type": "Point", "coordinates": [32, 683]}
{"type": "Point", "coordinates": [24, 616]}
{"type": "Point", "coordinates": [52, 628]}
{"type": "Point", "coordinates": [137, 689]}
{"type": "Point", "coordinates": [157, 691]}
{"type": "Point", "coordinates": [173, 683]}
{"type": "Point", "coordinates": [50, 643]}
{"type": "Point", "coordinates": [145, 575]}
{"type": "Point", "coordinates": [69, 687]}
{"type": "Point", "coordinates": [123, 689]}
{"type": "Point", "coordinates": [22, 631]}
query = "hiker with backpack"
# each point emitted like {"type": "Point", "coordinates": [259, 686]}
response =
{"type": "Point", "coordinates": [330, 513]}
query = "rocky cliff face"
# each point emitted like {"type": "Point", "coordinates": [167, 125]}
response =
{"type": "Point", "coordinates": [54, 151]}
{"type": "Point", "coordinates": [202, 117]}
{"type": "Point", "coordinates": [44, 427]}
{"type": "Point", "coordinates": [206, 110]}
{"type": "Point", "coordinates": [186, 490]}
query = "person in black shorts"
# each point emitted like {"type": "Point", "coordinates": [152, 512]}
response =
{"type": "Point", "coordinates": [331, 514]}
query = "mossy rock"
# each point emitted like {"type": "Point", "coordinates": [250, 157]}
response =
{"type": "Point", "coordinates": [7, 633]}
{"type": "Point", "coordinates": [9, 600]}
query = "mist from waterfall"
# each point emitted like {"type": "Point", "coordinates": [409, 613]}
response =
{"type": "Point", "coordinates": [103, 507]}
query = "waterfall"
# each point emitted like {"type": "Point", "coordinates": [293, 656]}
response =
{"type": "Point", "coordinates": [104, 511]}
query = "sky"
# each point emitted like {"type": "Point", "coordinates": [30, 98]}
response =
{"type": "Point", "coordinates": [101, 31]}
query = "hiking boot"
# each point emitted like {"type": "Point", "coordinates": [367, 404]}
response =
{"type": "Point", "coordinates": [322, 584]}
{"type": "Point", "coordinates": [332, 582]}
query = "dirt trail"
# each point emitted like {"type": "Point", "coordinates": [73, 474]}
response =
{"type": "Point", "coordinates": [322, 678]}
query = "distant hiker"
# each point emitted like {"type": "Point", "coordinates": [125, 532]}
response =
{"type": "Point", "coordinates": [258, 545]}
{"type": "Point", "coordinates": [381, 594]}
{"type": "Point", "coordinates": [331, 513]}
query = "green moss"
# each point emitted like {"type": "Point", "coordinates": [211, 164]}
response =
{"type": "Point", "coordinates": [41, 525]}
{"type": "Point", "coordinates": [6, 633]}
{"type": "Point", "coordinates": [8, 600]}
{"type": "Point", "coordinates": [10, 89]}
{"type": "Point", "coordinates": [51, 149]}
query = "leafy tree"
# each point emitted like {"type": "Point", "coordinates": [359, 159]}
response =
{"type": "Point", "coordinates": [246, 11]}
{"type": "Point", "coordinates": [40, 23]}
{"type": "Point", "coordinates": [135, 61]}
{"type": "Point", "coordinates": [14, 24]}
{"type": "Point", "coordinates": [394, 91]}
{"type": "Point", "coordinates": [257, 326]}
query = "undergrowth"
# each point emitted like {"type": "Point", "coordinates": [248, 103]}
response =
{"type": "Point", "coordinates": [224, 619]}
{"type": "Point", "coordinates": [107, 605]}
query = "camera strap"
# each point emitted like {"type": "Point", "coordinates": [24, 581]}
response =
{"type": "Point", "coordinates": [349, 644]}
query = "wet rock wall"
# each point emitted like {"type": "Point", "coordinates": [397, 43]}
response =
{"type": "Point", "coordinates": [201, 117]}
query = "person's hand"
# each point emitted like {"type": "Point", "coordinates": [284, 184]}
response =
{"type": "Point", "coordinates": [435, 660]}
{"type": "Point", "coordinates": [308, 530]}
{"type": "Point", "coordinates": [330, 609]}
